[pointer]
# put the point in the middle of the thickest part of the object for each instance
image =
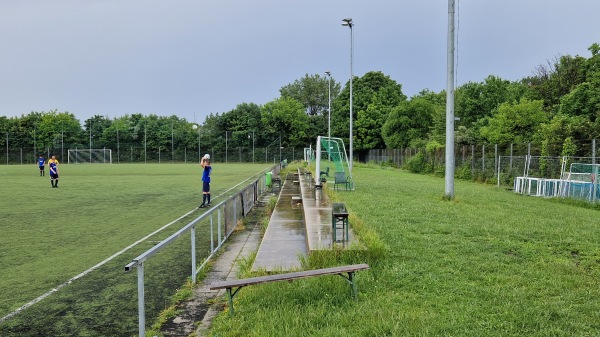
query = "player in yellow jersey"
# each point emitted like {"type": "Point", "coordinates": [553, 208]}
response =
{"type": "Point", "coordinates": [53, 164]}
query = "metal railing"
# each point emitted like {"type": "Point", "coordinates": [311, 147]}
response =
{"type": "Point", "coordinates": [221, 220]}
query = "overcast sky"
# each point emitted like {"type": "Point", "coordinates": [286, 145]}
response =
{"type": "Point", "coordinates": [194, 57]}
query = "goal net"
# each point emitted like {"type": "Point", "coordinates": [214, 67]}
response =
{"type": "Point", "coordinates": [90, 156]}
{"type": "Point", "coordinates": [581, 182]}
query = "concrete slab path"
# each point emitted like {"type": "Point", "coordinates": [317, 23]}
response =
{"type": "Point", "coordinates": [285, 239]}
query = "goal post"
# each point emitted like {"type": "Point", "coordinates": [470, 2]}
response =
{"type": "Point", "coordinates": [89, 156]}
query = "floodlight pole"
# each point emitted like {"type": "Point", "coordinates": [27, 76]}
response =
{"type": "Point", "coordinates": [35, 154]}
{"type": "Point", "coordinates": [449, 188]}
{"type": "Point", "coordinates": [329, 113]}
{"type": "Point", "coordinates": [329, 106]}
{"type": "Point", "coordinates": [348, 22]}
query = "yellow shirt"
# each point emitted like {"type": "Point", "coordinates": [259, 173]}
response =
{"type": "Point", "coordinates": [52, 163]}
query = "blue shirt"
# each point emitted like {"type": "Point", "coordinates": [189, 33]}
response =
{"type": "Point", "coordinates": [206, 174]}
{"type": "Point", "coordinates": [41, 161]}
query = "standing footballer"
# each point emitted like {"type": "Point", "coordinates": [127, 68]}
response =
{"type": "Point", "coordinates": [41, 163]}
{"type": "Point", "coordinates": [205, 163]}
{"type": "Point", "coordinates": [53, 164]}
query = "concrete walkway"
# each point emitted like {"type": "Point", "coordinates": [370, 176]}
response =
{"type": "Point", "coordinates": [317, 216]}
{"type": "Point", "coordinates": [300, 223]}
{"type": "Point", "coordinates": [285, 239]}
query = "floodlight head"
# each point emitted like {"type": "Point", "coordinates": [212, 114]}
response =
{"type": "Point", "coordinates": [328, 73]}
{"type": "Point", "coordinates": [347, 22]}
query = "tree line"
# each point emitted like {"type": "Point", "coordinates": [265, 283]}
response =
{"type": "Point", "coordinates": [556, 106]}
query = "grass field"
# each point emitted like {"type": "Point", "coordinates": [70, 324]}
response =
{"type": "Point", "coordinates": [489, 263]}
{"type": "Point", "coordinates": [51, 235]}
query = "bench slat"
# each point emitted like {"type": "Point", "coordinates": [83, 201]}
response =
{"type": "Point", "coordinates": [288, 276]}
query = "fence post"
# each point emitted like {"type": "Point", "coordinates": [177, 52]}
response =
{"type": "Point", "coordinates": [511, 158]}
{"type": "Point", "coordinates": [483, 159]}
{"type": "Point", "coordinates": [496, 163]}
{"type": "Point", "coordinates": [593, 150]}
{"type": "Point", "coordinates": [472, 161]}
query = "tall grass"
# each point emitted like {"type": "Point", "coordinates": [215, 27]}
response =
{"type": "Point", "coordinates": [50, 235]}
{"type": "Point", "coordinates": [489, 263]}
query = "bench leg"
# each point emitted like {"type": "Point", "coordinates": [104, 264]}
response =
{"type": "Point", "coordinates": [230, 295]}
{"type": "Point", "coordinates": [353, 285]}
{"type": "Point", "coordinates": [352, 282]}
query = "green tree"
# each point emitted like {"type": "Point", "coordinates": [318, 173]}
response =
{"type": "Point", "coordinates": [583, 100]}
{"type": "Point", "coordinates": [408, 123]}
{"type": "Point", "coordinates": [553, 133]}
{"type": "Point", "coordinates": [480, 100]}
{"type": "Point", "coordinates": [555, 79]}
{"type": "Point", "coordinates": [94, 128]}
{"type": "Point", "coordinates": [312, 91]}
{"type": "Point", "coordinates": [374, 96]}
{"type": "Point", "coordinates": [515, 122]}
{"type": "Point", "coordinates": [242, 122]}
{"type": "Point", "coordinates": [285, 117]}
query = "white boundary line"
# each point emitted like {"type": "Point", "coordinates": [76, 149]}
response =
{"type": "Point", "coordinates": [48, 293]}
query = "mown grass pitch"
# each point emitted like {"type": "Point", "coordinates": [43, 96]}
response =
{"type": "Point", "coordinates": [489, 263]}
{"type": "Point", "coordinates": [49, 235]}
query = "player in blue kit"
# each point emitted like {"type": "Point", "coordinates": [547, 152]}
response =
{"type": "Point", "coordinates": [207, 169]}
{"type": "Point", "coordinates": [41, 163]}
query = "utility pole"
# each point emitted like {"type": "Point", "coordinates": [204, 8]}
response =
{"type": "Point", "coordinates": [449, 188]}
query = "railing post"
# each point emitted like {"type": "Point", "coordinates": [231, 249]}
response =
{"type": "Point", "coordinates": [193, 235]}
{"type": "Point", "coordinates": [234, 214]}
{"type": "Point", "coordinates": [212, 235]}
{"type": "Point", "coordinates": [141, 304]}
{"type": "Point", "coordinates": [219, 226]}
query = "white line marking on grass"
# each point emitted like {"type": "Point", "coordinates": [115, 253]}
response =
{"type": "Point", "coordinates": [28, 304]}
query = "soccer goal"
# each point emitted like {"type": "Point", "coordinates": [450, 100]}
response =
{"type": "Point", "coordinates": [581, 182]}
{"type": "Point", "coordinates": [89, 156]}
{"type": "Point", "coordinates": [332, 162]}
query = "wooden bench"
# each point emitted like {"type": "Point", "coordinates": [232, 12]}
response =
{"type": "Point", "coordinates": [238, 284]}
{"type": "Point", "coordinates": [340, 178]}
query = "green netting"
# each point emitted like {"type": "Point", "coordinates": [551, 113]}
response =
{"type": "Point", "coordinates": [335, 153]}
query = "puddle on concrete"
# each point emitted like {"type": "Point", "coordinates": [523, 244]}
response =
{"type": "Point", "coordinates": [286, 209]}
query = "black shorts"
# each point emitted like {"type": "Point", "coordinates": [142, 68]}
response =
{"type": "Point", "coordinates": [53, 175]}
{"type": "Point", "coordinates": [205, 187]}
{"type": "Point", "coordinates": [41, 168]}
